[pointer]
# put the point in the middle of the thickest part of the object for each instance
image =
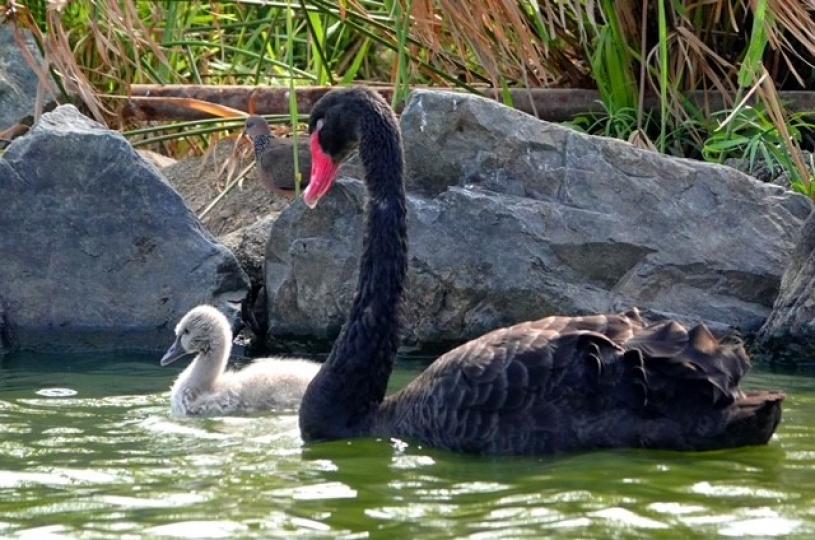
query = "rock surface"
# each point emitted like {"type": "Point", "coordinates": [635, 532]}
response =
{"type": "Point", "coordinates": [515, 219]}
{"type": "Point", "coordinates": [788, 336]}
{"type": "Point", "coordinates": [5, 341]}
{"type": "Point", "coordinates": [199, 181]}
{"type": "Point", "coordinates": [248, 244]}
{"type": "Point", "coordinates": [98, 251]}
{"type": "Point", "coordinates": [18, 83]}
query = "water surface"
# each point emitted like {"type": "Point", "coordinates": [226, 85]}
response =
{"type": "Point", "coordinates": [88, 448]}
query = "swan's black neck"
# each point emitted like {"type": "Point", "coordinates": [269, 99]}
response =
{"type": "Point", "coordinates": [344, 397]}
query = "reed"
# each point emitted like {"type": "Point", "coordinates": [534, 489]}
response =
{"type": "Point", "coordinates": [625, 48]}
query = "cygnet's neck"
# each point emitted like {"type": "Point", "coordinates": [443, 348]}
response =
{"type": "Point", "coordinates": [209, 364]}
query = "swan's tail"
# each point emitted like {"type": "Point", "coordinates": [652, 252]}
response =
{"type": "Point", "coordinates": [754, 419]}
{"type": "Point", "coordinates": [694, 378]}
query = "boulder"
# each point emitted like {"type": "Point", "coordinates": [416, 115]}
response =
{"type": "Point", "coordinates": [788, 336]}
{"type": "Point", "coordinates": [18, 83]}
{"type": "Point", "coordinates": [98, 251]}
{"type": "Point", "coordinates": [248, 244]}
{"type": "Point", "coordinates": [515, 219]}
{"type": "Point", "coordinates": [5, 340]}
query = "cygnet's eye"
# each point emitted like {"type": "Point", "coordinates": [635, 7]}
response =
{"type": "Point", "coordinates": [186, 331]}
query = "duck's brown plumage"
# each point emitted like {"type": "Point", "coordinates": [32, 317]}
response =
{"type": "Point", "coordinates": [274, 158]}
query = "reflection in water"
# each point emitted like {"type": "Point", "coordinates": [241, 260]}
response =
{"type": "Point", "coordinates": [107, 460]}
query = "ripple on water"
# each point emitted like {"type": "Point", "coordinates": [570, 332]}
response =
{"type": "Point", "coordinates": [163, 426]}
{"type": "Point", "coordinates": [309, 524]}
{"type": "Point", "coordinates": [761, 527]}
{"type": "Point", "coordinates": [530, 515]}
{"type": "Point", "coordinates": [48, 532]}
{"type": "Point", "coordinates": [122, 466]}
{"type": "Point", "coordinates": [627, 518]}
{"type": "Point", "coordinates": [405, 461]}
{"type": "Point", "coordinates": [62, 431]}
{"type": "Point", "coordinates": [676, 509]}
{"type": "Point", "coordinates": [456, 490]}
{"type": "Point", "coordinates": [411, 512]}
{"type": "Point", "coordinates": [753, 522]}
{"type": "Point", "coordinates": [729, 490]}
{"type": "Point", "coordinates": [14, 428]}
{"type": "Point", "coordinates": [198, 529]}
{"type": "Point", "coordinates": [321, 491]}
{"type": "Point", "coordinates": [163, 500]}
{"type": "Point", "coordinates": [56, 392]}
{"type": "Point", "coordinates": [55, 476]}
{"type": "Point", "coordinates": [13, 479]}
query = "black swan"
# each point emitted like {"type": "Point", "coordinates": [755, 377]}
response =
{"type": "Point", "coordinates": [272, 153]}
{"type": "Point", "coordinates": [555, 385]}
{"type": "Point", "coordinates": [205, 389]}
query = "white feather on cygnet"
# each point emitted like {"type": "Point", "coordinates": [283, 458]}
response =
{"type": "Point", "coordinates": [206, 389]}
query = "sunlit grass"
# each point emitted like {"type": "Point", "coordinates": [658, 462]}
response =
{"type": "Point", "coordinates": [625, 48]}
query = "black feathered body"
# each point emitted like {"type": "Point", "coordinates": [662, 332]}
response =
{"type": "Point", "coordinates": [580, 383]}
{"type": "Point", "coordinates": [555, 385]}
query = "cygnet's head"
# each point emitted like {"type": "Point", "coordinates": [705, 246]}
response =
{"type": "Point", "coordinates": [202, 328]}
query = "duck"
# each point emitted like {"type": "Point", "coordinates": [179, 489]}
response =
{"type": "Point", "coordinates": [558, 384]}
{"type": "Point", "coordinates": [273, 153]}
{"type": "Point", "coordinates": [206, 388]}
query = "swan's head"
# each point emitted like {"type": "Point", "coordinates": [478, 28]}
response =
{"type": "Point", "coordinates": [334, 127]}
{"type": "Point", "coordinates": [197, 332]}
{"type": "Point", "coordinates": [255, 127]}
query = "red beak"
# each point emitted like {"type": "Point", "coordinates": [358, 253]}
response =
{"type": "Point", "coordinates": [323, 173]}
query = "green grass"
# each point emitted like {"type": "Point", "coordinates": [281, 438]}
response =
{"type": "Point", "coordinates": [623, 48]}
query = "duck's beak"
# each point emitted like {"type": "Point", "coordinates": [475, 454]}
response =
{"type": "Point", "coordinates": [175, 352]}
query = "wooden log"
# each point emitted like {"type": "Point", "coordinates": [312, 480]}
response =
{"type": "Point", "coordinates": [552, 104]}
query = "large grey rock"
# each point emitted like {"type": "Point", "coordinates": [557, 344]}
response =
{"type": "Point", "coordinates": [788, 336]}
{"type": "Point", "coordinates": [511, 218]}
{"type": "Point", "coordinates": [5, 340]}
{"type": "Point", "coordinates": [18, 83]}
{"type": "Point", "coordinates": [98, 251]}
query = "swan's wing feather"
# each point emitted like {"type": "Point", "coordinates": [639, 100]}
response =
{"type": "Point", "coordinates": [619, 328]}
{"type": "Point", "coordinates": [510, 384]}
{"type": "Point", "coordinates": [684, 366]}
{"type": "Point", "coordinates": [552, 385]}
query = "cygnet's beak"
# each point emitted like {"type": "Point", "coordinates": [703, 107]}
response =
{"type": "Point", "coordinates": [175, 352]}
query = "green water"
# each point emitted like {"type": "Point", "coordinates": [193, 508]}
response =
{"type": "Point", "coordinates": [109, 461]}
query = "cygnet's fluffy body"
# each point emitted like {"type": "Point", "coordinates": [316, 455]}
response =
{"type": "Point", "coordinates": [206, 389]}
